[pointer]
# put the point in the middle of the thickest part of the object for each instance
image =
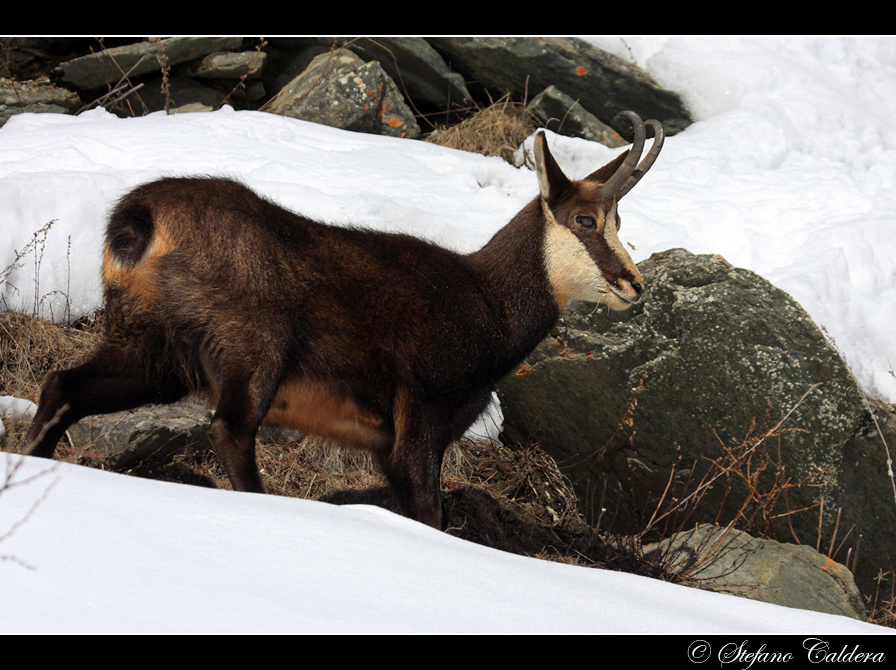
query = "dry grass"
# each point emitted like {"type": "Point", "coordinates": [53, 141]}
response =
{"type": "Point", "coordinates": [496, 130]}
{"type": "Point", "coordinates": [31, 348]}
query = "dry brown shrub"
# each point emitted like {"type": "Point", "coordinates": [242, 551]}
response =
{"type": "Point", "coordinates": [882, 610]}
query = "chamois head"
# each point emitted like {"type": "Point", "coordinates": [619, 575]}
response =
{"type": "Point", "coordinates": [583, 254]}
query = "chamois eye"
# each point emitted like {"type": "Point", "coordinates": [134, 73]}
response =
{"type": "Point", "coordinates": [585, 221]}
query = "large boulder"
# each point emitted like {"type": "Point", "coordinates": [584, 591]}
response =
{"type": "Point", "coordinates": [417, 68]}
{"type": "Point", "coordinates": [339, 89]}
{"type": "Point", "coordinates": [865, 484]}
{"type": "Point", "coordinates": [710, 360]}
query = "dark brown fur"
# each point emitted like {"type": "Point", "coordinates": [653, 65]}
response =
{"type": "Point", "coordinates": [380, 340]}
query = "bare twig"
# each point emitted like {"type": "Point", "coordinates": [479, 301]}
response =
{"type": "Point", "coordinates": [706, 483]}
{"type": "Point", "coordinates": [242, 81]}
{"type": "Point", "coordinates": [123, 83]}
{"type": "Point", "coordinates": [887, 449]}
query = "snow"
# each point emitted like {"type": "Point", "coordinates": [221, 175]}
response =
{"type": "Point", "coordinates": [16, 408]}
{"type": "Point", "coordinates": [789, 171]}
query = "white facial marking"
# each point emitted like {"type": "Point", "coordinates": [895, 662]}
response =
{"type": "Point", "coordinates": [572, 271]}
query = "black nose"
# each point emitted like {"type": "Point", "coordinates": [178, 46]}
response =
{"type": "Point", "coordinates": [638, 288]}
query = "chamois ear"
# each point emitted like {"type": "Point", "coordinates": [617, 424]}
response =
{"type": "Point", "coordinates": [601, 175]}
{"type": "Point", "coordinates": [551, 180]}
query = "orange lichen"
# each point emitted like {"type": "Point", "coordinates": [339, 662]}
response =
{"type": "Point", "coordinates": [830, 564]}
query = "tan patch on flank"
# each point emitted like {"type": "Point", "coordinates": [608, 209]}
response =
{"type": "Point", "coordinates": [138, 281]}
{"type": "Point", "coordinates": [315, 409]}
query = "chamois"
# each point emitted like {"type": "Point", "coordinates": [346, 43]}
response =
{"type": "Point", "coordinates": [372, 339]}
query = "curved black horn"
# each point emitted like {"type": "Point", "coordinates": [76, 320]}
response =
{"type": "Point", "coordinates": [630, 172]}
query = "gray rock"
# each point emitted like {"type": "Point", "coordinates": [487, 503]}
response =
{"type": "Point", "coordinates": [339, 89]}
{"type": "Point", "coordinates": [229, 65]}
{"type": "Point", "coordinates": [415, 67]}
{"type": "Point", "coordinates": [126, 438]}
{"type": "Point", "coordinates": [293, 63]}
{"type": "Point", "coordinates": [712, 356]}
{"type": "Point", "coordinates": [869, 502]}
{"type": "Point", "coordinates": [602, 83]}
{"type": "Point", "coordinates": [36, 96]}
{"type": "Point", "coordinates": [560, 113]}
{"type": "Point", "coordinates": [109, 65]}
{"type": "Point", "coordinates": [733, 562]}
{"type": "Point", "coordinates": [181, 92]}
{"type": "Point", "coordinates": [291, 43]}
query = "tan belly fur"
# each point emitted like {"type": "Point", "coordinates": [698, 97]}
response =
{"type": "Point", "coordinates": [314, 409]}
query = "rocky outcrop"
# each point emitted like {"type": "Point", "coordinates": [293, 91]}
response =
{"type": "Point", "coordinates": [712, 358]}
{"type": "Point", "coordinates": [108, 66]}
{"type": "Point", "coordinates": [36, 96]}
{"type": "Point", "coordinates": [123, 439]}
{"type": "Point", "coordinates": [571, 83]}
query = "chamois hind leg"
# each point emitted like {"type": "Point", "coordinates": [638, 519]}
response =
{"type": "Point", "coordinates": [107, 382]}
{"type": "Point", "coordinates": [414, 464]}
